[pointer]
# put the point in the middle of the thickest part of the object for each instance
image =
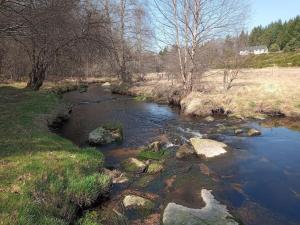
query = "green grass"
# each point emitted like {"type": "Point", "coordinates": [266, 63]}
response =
{"type": "Point", "coordinates": [283, 59]}
{"type": "Point", "coordinates": [44, 178]}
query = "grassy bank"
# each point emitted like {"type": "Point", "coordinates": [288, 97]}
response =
{"type": "Point", "coordinates": [44, 179]}
{"type": "Point", "coordinates": [282, 59]}
{"type": "Point", "coordinates": [256, 93]}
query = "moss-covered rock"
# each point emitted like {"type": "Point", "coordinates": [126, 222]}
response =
{"type": "Point", "coordinates": [253, 132]}
{"type": "Point", "coordinates": [134, 201]}
{"type": "Point", "coordinates": [155, 167]}
{"type": "Point", "coordinates": [106, 134]}
{"type": "Point", "coordinates": [134, 165]}
{"type": "Point", "coordinates": [153, 151]}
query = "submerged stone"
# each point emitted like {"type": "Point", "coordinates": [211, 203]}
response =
{"type": "Point", "coordinates": [253, 132]}
{"type": "Point", "coordinates": [213, 213]}
{"type": "Point", "coordinates": [103, 135]}
{"type": "Point", "coordinates": [209, 119]}
{"type": "Point", "coordinates": [208, 148]}
{"type": "Point", "coordinates": [184, 151]}
{"type": "Point", "coordinates": [144, 181]}
{"type": "Point", "coordinates": [134, 201]}
{"type": "Point", "coordinates": [238, 131]}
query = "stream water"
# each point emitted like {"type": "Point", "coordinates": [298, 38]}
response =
{"type": "Point", "coordinates": [258, 179]}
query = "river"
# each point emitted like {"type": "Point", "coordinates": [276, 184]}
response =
{"type": "Point", "coordinates": [258, 179]}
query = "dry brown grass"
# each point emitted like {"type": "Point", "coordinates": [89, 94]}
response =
{"type": "Point", "coordinates": [255, 93]}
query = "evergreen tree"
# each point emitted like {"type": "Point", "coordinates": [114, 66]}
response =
{"type": "Point", "coordinates": [286, 35]}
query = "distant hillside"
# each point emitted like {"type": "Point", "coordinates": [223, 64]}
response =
{"type": "Point", "coordinates": [282, 59]}
{"type": "Point", "coordinates": [277, 35]}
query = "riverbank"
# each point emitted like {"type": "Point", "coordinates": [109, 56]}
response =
{"type": "Point", "coordinates": [256, 93]}
{"type": "Point", "coordinates": [44, 178]}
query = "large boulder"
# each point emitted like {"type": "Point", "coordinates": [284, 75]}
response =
{"type": "Point", "coordinates": [134, 201]}
{"type": "Point", "coordinates": [212, 214]}
{"type": "Point", "coordinates": [208, 148]}
{"type": "Point", "coordinates": [134, 165]}
{"type": "Point", "coordinates": [104, 135]}
{"type": "Point", "coordinates": [185, 151]}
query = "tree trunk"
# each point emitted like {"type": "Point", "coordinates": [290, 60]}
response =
{"type": "Point", "coordinates": [36, 77]}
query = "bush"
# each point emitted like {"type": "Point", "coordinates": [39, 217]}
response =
{"type": "Point", "coordinates": [274, 48]}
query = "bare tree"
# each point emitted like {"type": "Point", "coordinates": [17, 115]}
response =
{"type": "Point", "coordinates": [231, 61]}
{"type": "Point", "coordinates": [193, 23]}
{"type": "Point", "coordinates": [45, 29]}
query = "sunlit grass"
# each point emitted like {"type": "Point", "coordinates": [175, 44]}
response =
{"type": "Point", "coordinates": [44, 179]}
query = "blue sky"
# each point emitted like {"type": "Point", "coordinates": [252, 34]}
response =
{"type": "Point", "coordinates": [264, 12]}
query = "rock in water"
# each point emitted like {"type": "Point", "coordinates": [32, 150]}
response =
{"type": "Point", "coordinates": [102, 135]}
{"type": "Point", "coordinates": [117, 176]}
{"type": "Point", "coordinates": [155, 146]}
{"type": "Point", "coordinates": [155, 167]}
{"type": "Point", "coordinates": [134, 165]}
{"type": "Point", "coordinates": [106, 84]}
{"type": "Point", "coordinates": [184, 151]}
{"type": "Point", "coordinates": [238, 131]}
{"type": "Point", "coordinates": [212, 214]}
{"type": "Point", "coordinates": [134, 201]}
{"type": "Point", "coordinates": [208, 148]}
{"type": "Point", "coordinates": [253, 132]}
{"type": "Point", "coordinates": [209, 119]}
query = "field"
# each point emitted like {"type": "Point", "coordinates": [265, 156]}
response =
{"type": "Point", "coordinates": [256, 93]}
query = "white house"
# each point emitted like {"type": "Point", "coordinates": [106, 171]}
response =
{"type": "Point", "coordinates": [256, 50]}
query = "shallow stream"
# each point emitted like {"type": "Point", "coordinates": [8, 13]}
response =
{"type": "Point", "coordinates": [258, 179]}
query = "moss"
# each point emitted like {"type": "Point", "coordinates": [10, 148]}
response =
{"type": "Point", "coordinates": [44, 178]}
{"type": "Point", "coordinates": [155, 168]}
{"type": "Point", "coordinates": [144, 181]}
{"type": "Point", "coordinates": [133, 165]}
{"type": "Point", "coordinates": [145, 154]}
{"type": "Point", "coordinates": [115, 126]}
